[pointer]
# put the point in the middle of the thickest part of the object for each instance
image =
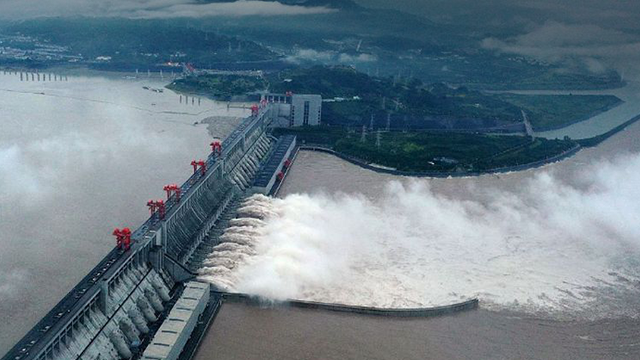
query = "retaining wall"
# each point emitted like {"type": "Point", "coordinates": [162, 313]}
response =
{"type": "Point", "coordinates": [365, 310]}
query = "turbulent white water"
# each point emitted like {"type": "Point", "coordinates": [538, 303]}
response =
{"type": "Point", "coordinates": [550, 247]}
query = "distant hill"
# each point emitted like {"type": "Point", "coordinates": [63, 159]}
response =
{"type": "Point", "coordinates": [142, 43]}
{"type": "Point", "coordinates": [335, 4]}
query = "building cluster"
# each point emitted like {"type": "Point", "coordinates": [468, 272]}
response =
{"type": "Point", "coordinates": [27, 48]}
{"type": "Point", "coordinates": [295, 109]}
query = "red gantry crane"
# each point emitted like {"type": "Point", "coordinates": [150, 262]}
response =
{"type": "Point", "coordinates": [216, 148]}
{"type": "Point", "coordinates": [172, 189]}
{"type": "Point", "coordinates": [157, 206]}
{"type": "Point", "coordinates": [123, 238]}
{"type": "Point", "coordinates": [201, 164]}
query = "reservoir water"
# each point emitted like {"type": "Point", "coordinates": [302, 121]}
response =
{"type": "Point", "coordinates": [77, 159]}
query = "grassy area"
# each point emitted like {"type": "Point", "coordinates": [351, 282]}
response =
{"type": "Point", "coordinates": [410, 104]}
{"type": "Point", "coordinates": [407, 103]}
{"type": "Point", "coordinates": [556, 111]}
{"type": "Point", "coordinates": [381, 95]}
{"type": "Point", "coordinates": [219, 86]}
{"type": "Point", "coordinates": [426, 151]}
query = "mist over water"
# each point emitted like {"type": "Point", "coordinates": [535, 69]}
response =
{"type": "Point", "coordinates": [78, 158]}
{"type": "Point", "coordinates": [548, 247]}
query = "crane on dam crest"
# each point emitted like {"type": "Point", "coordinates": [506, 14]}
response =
{"type": "Point", "coordinates": [119, 310]}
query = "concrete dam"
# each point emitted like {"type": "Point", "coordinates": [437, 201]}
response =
{"type": "Point", "coordinates": [149, 298]}
{"type": "Point", "coordinates": [140, 301]}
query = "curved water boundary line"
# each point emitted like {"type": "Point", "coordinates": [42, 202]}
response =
{"type": "Point", "coordinates": [364, 165]}
{"type": "Point", "coordinates": [596, 140]}
{"type": "Point", "coordinates": [587, 117]}
{"type": "Point", "coordinates": [471, 304]}
{"type": "Point", "coordinates": [217, 300]}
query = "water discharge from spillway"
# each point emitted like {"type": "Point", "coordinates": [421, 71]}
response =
{"type": "Point", "coordinates": [550, 247]}
{"type": "Point", "coordinates": [237, 244]}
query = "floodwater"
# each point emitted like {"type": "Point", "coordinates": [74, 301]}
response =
{"type": "Point", "coordinates": [508, 332]}
{"type": "Point", "coordinates": [528, 238]}
{"type": "Point", "coordinates": [247, 332]}
{"type": "Point", "coordinates": [77, 159]}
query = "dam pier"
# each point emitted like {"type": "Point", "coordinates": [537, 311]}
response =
{"type": "Point", "coordinates": [153, 296]}
{"type": "Point", "coordinates": [119, 310]}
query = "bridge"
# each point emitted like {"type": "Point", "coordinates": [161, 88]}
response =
{"type": "Point", "coordinates": [117, 310]}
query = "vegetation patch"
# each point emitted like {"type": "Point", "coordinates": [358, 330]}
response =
{"type": "Point", "coordinates": [432, 152]}
{"type": "Point", "coordinates": [355, 97]}
{"type": "Point", "coordinates": [547, 112]}
{"type": "Point", "coordinates": [219, 86]}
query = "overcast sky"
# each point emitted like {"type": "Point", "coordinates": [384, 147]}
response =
{"type": "Point", "coordinates": [597, 33]}
{"type": "Point", "coordinates": [617, 13]}
{"type": "Point", "coordinates": [16, 9]}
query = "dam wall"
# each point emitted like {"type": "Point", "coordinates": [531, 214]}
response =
{"type": "Point", "coordinates": [114, 310]}
{"type": "Point", "coordinates": [275, 167]}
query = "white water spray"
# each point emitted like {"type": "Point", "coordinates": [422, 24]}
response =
{"type": "Point", "coordinates": [550, 247]}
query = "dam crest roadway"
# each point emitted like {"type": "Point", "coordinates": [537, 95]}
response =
{"type": "Point", "coordinates": [113, 311]}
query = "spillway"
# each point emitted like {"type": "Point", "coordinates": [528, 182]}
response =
{"type": "Point", "coordinates": [117, 309]}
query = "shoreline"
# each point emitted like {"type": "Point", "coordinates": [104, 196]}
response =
{"type": "Point", "coordinates": [577, 121]}
{"type": "Point", "coordinates": [597, 140]}
{"type": "Point", "coordinates": [580, 144]}
{"type": "Point", "coordinates": [383, 170]}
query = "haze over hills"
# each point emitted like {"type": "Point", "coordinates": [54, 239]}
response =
{"type": "Point", "coordinates": [336, 4]}
{"type": "Point", "coordinates": [436, 151]}
{"type": "Point", "coordinates": [591, 33]}
{"type": "Point", "coordinates": [584, 38]}
{"type": "Point", "coordinates": [382, 42]}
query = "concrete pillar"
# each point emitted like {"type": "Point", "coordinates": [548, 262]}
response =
{"type": "Point", "coordinates": [118, 341]}
{"type": "Point", "coordinates": [104, 297]}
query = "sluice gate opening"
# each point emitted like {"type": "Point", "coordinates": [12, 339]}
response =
{"type": "Point", "coordinates": [118, 309]}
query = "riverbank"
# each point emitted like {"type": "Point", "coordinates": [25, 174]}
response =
{"type": "Point", "coordinates": [596, 140]}
{"type": "Point", "coordinates": [582, 143]}
{"type": "Point", "coordinates": [384, 170]}
{"type": "Point", "coordinates": [555, 112]}
{"type": "Point", "coordinates": [384, 156]}
{"type": "Point", "coordinates": [433, 153]}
